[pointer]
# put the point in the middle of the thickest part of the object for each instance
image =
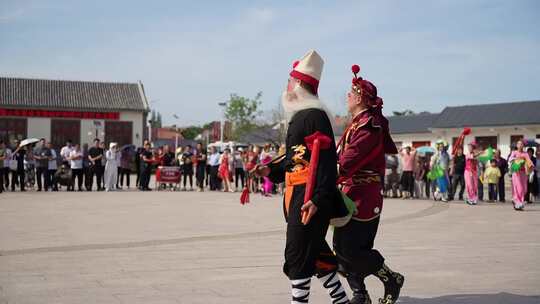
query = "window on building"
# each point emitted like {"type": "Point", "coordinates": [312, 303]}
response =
{"type": "Point", "coordinates": [417, 144]}
{"type": "Point", "coordinates": [63, 130]}
{"type": "Point", "coordinates": [514, 139]}
{"type": "Point", "coordinates": [486, 141]}
{"type": "Point", "coordinates": [120, 132]}
{"type": "Point", "coordinates": [13, 129]}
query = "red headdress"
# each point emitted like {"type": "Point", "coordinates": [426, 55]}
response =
{"type": "Point", "coordinates": [365, 89]}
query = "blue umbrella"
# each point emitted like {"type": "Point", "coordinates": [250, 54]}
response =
{"type": "Point", "coordinates": [425, 149]}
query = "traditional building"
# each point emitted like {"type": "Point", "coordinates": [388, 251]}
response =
{"type": "Point", "coordinates": [58, 110]}
{"type": "Point", "coordinates": [499, 125]}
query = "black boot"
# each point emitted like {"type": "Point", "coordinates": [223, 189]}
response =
{"type": "Point", "coordinates": [392, 281]}
{"type": "Point", "coordinates": [360, 294]}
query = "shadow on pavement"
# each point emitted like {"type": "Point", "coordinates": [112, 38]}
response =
{"type": "Point", "coordinates": [499, 298]}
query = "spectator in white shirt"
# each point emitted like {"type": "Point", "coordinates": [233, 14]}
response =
{"type": "Point", "coordinates": [65, 152]}
{"type": "Point", "coordinates": [76, 163]}
{"type": "Point", "coordinates": [213, 161]}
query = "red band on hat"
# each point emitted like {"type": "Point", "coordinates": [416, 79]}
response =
{"type": "Point", "coordinates": [306, 78]}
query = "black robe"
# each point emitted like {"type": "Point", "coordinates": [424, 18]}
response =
{"type": "Point", "coordinates": [307, 252]}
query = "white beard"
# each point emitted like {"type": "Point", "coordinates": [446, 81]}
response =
{"type": "Point", "coordinates": [301, 99]}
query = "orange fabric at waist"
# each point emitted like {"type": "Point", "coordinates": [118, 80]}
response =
{"type": "Point", "coordinates": [292, 179]}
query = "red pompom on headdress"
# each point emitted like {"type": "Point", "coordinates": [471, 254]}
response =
{"type": "Point", "coordinates": [295, 63]}
{"type": "Point", "coordinates": [356, 80]}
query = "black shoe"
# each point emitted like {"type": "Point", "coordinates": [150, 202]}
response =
{"type": "Point", "coordinates": [360, 294]}
{"type": "Point", "coordinates": [393, 282]}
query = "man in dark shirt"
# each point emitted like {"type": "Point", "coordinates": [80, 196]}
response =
{"type": "Point", "coordinates": [168, 158]}
{"type": "Point", "coordinates": [147, 158]}
{"type": "Point", "coordinates": [95, 155]}
{"type": "Point", "coordinates": [458, 171]}
{"type": "Point", "coordinates": [187, 167]}
{"type": "Point", "coordinates": [502, 164]}
{"type": "Point", "coordinates": [41, 155]}
{"type": "Point", "coordinates": [18, 156]}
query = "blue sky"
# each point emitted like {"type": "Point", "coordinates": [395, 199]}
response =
{"type": "Point", "coordinates": [190, 55]}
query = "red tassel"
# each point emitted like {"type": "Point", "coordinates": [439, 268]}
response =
{"type": "Point", "coordinates": [244, 198]}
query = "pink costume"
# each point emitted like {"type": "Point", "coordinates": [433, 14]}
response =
{"type": "Point", "coordinates": [267, 185]}
{"type": "Point", "coordinates": [408, 160]}
{"type": "Point", "coordinates": [471, 177]}
{"type": "Point", "coordinates": [519, 179]}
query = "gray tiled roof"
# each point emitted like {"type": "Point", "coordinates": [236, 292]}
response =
{"type": "Point", "coordinates": [75, 95]}
{"type": "Point", "coordinates": [483, 115]}
{"type": "Point", "coordinates": [419, 123]}
{"type": "Point", "coordinates": [497, 114]}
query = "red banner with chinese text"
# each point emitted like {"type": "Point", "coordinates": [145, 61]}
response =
{"type": "Point", "coordinates": [59, 114]}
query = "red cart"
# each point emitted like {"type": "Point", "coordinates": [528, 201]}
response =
{"type": "Point", "coordinates": [168, 175]}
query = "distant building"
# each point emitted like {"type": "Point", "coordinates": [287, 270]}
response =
{"type": "Point", "coordinates": [58, 110]}
{"type": "Point", "coordinates": [499, 125]}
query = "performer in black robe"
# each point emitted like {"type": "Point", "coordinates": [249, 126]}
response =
{"type": "Point", "coordinates": [306, 252]}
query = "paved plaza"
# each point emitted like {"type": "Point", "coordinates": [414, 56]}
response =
{"type": "Point", "coordinates": [188, 247]}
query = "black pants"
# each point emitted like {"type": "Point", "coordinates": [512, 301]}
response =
{"type": "Point", "coordinates": [96, 171]}
{"type": "Point", "coordinates": [2, 180]}
{"type": "Point", "coordinates": [78, 173]}
{"type": "Point", "coordinates": [458, 180]}
{"type": "Point", "coordinates": [41, 179]}
{"type": "Point", "coordinates": [480, 190]}
{"type": "Point", "coordinates": [5, 172]}
{"type": "Point", "coordinates": [138, 170]}
{"type": "Point", "coordinates": [407, 181]}
{"type": "Point", "coordinates": [532, 189]}
{"type": "Point", "coordinates": [187, 173]}
{"type": "Point", "coordinates": [492, 192]}
{"type": "Point", "coordinates": [501, 189]}
{"type": "Point", "coordinates": [144, 181]}
{"type": "Point", "coordinates": [51, 180]}
{"type": "Point", "coordinates": [124, 172]}
{"type": "Point", "coordinates": [201, 170]}
{"type": "Point", "coordinates": [239, 174]}
{"type": "Point", "coordinates": [214, 180]}
{"type": "Point", "coordinates": [17, 176]}
{"type": "Point", "coordinates": [353, 245]}
{"type": "Point", "coordinates": [306, 251]}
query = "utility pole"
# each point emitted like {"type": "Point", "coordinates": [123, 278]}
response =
{"type": "Point", "coordinates": [221, 124]}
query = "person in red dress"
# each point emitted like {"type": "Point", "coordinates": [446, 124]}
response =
{"type": "Point", "coordinates": [225, 170]}
{"type": "Point", "coordinates": [361, 153]}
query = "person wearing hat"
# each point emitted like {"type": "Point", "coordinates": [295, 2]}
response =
{"type": "Point", "coordinates": [361, 152]}
{"type": "Point", "coordinates": [306, 251]}
{"type": "Point", "coordinates": [471, 173]}
{"type": "Point", "coordinates": [111, 166]}
{"type": "Point", "coordinates": [442, 160]}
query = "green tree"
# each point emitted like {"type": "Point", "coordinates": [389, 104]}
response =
{"type": "Point", "coordinates": [158, 120]}
{"type": "Point", "coordinates": [242, 112]}
{"type": "Point", "coordinates": [191, 132]}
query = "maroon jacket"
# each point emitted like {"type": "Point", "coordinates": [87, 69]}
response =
{"type": "Point", "coordinates": [362, 162]}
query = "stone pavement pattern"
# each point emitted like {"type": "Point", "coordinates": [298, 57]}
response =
{"type": "Point", "coordinates": [188, 247]}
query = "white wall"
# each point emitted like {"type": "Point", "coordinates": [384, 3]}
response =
{"type": "Point", "coordinates": [39, 127]}
{"type": "Point", "coordinates": [137, 119]}
{"type": "Point", "coordinates": [407, 139]}
{"type": "Point", "coordinates": [502, 133]}
{"type": "Point", "coordinates": [88, 131]}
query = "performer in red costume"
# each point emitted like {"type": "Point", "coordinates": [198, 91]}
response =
{"type": "Point", "coordinates": [308, 213]}
{"type": "Point", "coordinates": [361, 153]}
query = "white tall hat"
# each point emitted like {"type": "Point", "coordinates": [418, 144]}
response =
{"type": "Point", "coordinates": [309, 69]}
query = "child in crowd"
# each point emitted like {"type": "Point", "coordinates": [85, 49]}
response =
{"type": "Point", "coordinates": [491, 177]}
